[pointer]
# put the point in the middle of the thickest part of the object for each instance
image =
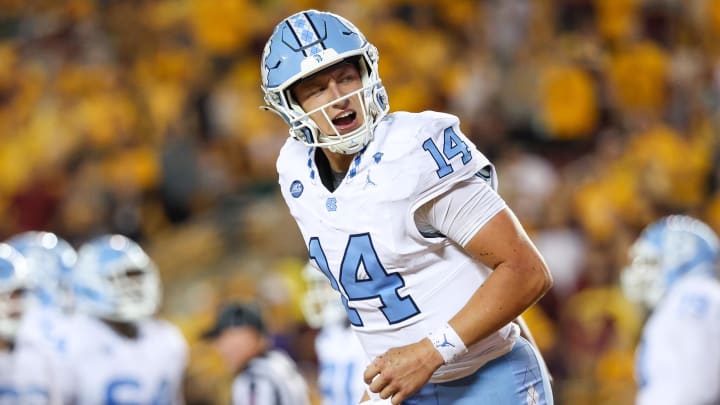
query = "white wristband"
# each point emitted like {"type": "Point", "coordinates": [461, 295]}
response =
{"type": "Point", "coordinates": [447, 343]}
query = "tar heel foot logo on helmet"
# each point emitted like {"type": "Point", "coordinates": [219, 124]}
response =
{"type": "Point", "coordinates": [15, 285]}
{"type": "Point", "coordinates": [305, 44]}
{"type": "Point", "coordinates": [116, 280]}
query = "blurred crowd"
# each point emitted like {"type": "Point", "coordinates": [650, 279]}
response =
{"type": "Point", "coordinates": [141, 117]}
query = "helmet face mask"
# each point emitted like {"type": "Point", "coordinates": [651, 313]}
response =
{"type": "Point", "coordinates": [15, 284]}
{"type": "Point", "coordinates": [13, 306]}
{"type": "Point", "coordinates": [338, 142]}
{"type": "Point", "coordinates": [303, 45]}
{"type": "Point", "coordinates": [665, 252]}
{"type": "Point", "coordinates": [116, 280]}
{"type": "Point", "coordinates": [135, 291]}
{"type": "Point", "coordinates": [642, 280]}
{"type": "Point", "coordinates": [321, 305]}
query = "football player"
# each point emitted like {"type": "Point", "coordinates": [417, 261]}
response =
{"type": "Point", "coordinates": [400, 212]}
{"type": "Point", "coordinates": [119, 350]}
{"type": "Point", "coordinates": [673, 273]}
{"type": "Point", "coordinates": [341, 358]}
{"type": "Point", "coordinates": [50, 260]}
{"type": "Point", "coordinates": [29, 374]}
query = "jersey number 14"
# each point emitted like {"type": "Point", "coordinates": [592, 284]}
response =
{"type": "Point", "coordinates": [373, 283]}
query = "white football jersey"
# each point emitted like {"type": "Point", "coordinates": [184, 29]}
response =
{"type": "Point", "coordinates": [678, 360]}
{"type": "Point", "coordinates": [29, 375]}
{"type": "Point", "coordinates": [45, 326]}
{"type": "Point", "coordinates": [342, 362]}
{"type": "Point", "coordinates": [396, 283]}
{"type": "Point", "coordinates": [108, 368]}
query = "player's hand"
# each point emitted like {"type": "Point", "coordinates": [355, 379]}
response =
{"type": "Point", "coordinates": [401, 371]}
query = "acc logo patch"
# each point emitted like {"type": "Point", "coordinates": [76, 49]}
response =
{"type": "Point", "coordinates": [296, 188]}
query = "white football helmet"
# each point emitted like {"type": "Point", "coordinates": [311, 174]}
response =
{"type": "Point", "coordinates": [667, 250]}
{"type": "Point", "coordinates": [116, 280]}
{"type": "Point", "coordinates": [304, 44]}
{"type": "Point", "coordinates": [50, 260]}
{"type": "Point", "coordinates": [321, 304]}
{"type": "Point", "coordinates": [15, 285]}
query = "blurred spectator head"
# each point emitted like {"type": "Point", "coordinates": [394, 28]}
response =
{"type": "Point", "coordinates": [239, 334]}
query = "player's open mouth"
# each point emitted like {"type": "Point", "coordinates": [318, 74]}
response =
{"type": "Point", "coordinates": [345, 121]}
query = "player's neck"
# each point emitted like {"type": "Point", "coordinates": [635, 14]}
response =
{"type": "Point", "coordinates": [339, 162]}
{"type": "Point", "coordinates": [127, 329]}
{"type": "Point", "coordinates": [6, 345]}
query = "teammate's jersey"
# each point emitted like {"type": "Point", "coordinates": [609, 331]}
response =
{"type": "Point", "coordinates": [109, 368]}
{"type": "Point", "coordinates": [397, 284]}
{"type": "Point", "coordinates": [678, 360]}
{"type": "Point", "coordinates": [341, 362]}
{"type": "Point", "coordinates": [29, 375]}
{"type": "Point", "coordinates": [45, 326]}
{"type": "Point", "coordinates": [270, 379]}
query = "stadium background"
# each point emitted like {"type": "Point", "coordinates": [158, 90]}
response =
{"type": "Point", "coordinates": [140, 117]}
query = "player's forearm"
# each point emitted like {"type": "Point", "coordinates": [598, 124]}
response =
{"type": "Point", "coordinates": [492, 306]}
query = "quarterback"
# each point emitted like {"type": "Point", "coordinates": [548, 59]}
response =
{"type": "Point", "coordinates": [400, 212]}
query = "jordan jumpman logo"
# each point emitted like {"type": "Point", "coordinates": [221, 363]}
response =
{"type": "Point", "coordinates": [445, 343]}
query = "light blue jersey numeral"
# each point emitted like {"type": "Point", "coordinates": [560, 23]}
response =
{"type": "Point", "coordinates": [336, 382]}
{"type": "Point", "coordinates": [375, 282]}
{"type": "Point", "coordinates": [124, 388]}
{"type": "Point", "coordinates": [453, 145]}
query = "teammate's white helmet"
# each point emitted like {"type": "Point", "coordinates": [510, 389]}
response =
{"type": "Point", "coordinates": [304, 44]}
{"type": "Point", "coordinates": [321, 304]}
{"type": "Point", "coordinates": [115, 279]}
{"type": "Point", "coordinates": [667, 250]}
{"type": "Point", "coordinates": [50, 260]}
{"type": "Point", "coordinates": [15, 284]}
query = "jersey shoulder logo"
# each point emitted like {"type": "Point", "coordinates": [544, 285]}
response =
{"type": "Point", "coordinates": [296, 188]}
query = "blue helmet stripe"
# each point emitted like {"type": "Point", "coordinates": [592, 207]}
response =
{"type": "Point", "coordinates": [305, 33]}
